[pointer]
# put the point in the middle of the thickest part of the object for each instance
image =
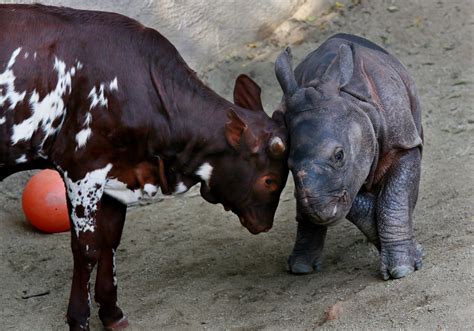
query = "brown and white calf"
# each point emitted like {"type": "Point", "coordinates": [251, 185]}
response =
{"type": "Point", "coordinates": [113, 107]}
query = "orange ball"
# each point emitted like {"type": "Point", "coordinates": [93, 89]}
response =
{"type": "Point", "coordinates": [44, 202]}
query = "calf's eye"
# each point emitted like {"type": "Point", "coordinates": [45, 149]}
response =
{"type": "Point", "coordinates": [270, 181]}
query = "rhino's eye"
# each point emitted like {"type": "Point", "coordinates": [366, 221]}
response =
{"type": "Point", "coordinates": [339, 156]}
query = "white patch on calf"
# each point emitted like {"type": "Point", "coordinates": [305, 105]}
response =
{"type": "Point", "coordinates": [86, 193]}
{"type": "Point", "coordinates": [21, 159]}
{"type": "Point", "coordinates": [97, 95]}
{"type": "Point", "coordinates": [114, 272]}
{"type": "Point", "coordinates": [150, 190]}
{"type": "Point", "coordinates": [82, 137]}
{"type": "Point", "coordinates": [119, 191]}
{"type": "Point", "coordinates": [89, 301]}
{"type": "Point", "coordinates": [12, 60]}
{"type": "Point", "coordinates": [45, 112]}
{"type": "Point", "coordinates": [113, 85]}
{"type": "Point", "coordinates": [180, 188]}
{"type": "Point", "coordinates": [7, 79]}
{"type": "Point", "coordinates": [205, 172]}
{"type": "Point", "coordinates": [2, 120]}
{"type": "Point", "coordinates": [97, 98]}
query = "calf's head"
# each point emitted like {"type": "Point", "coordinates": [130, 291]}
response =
{"type": "Point", "coordinates": [249, 176]}
{"type": "Point", "coordinates": [332, 141]}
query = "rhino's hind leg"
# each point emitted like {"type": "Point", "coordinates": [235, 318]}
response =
{"type": "Point", "coordinates": [362, 215]}
{"type": "Point", "coordinates": [309, 244]}
{"type": "Point", "coordinates": [400, 255]}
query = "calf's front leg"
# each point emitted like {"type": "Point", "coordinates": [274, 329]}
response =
{"type": "Point", "coordinates": [400, 255]}
{"type": "Point", "coordinates": [110, 221]}
{"type": "Point", "coordinates": [85, 250]}
{"type": "Point", "coordinates": [84, 201]}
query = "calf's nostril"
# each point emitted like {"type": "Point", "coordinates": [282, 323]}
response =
{"type": "Point", "coordinates": [266, 229]}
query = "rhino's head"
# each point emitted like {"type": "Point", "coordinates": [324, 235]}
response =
{"type": "Point", "coordinates": [332, 141]}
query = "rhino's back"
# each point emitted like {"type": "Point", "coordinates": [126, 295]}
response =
{"type": "Point", "coordinates": [379, 79]}
{"type": "Point", "coordinates": [315, 64]}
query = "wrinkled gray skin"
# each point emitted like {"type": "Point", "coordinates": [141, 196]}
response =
{"type": "Point", "coordinates": [354, 120]}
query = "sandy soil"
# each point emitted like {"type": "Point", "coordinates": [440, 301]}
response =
{"type": "Point", "coordinates": [186, 264]}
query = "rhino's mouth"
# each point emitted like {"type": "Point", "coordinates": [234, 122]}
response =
{"type": "Point", "coordinates": [325, 212]}
{"type": "Point", "coordinates": [314, 218]}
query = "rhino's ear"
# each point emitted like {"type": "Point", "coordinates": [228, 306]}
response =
{"type": "Point", "coordinates": [284, 72]}
{"type": "Point", "coordinates": [341, 68]}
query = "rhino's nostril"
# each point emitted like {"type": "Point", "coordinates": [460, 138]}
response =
{"type": "Point", "coordinates": [344, 197]}
{"type": "Point", "coordinates": [301, 174]}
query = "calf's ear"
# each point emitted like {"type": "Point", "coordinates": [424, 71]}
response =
{"type": "Point", "coordinates": [239, 135]}
{"type": "Point", "coordinates": [341, 68]}
{"type": "Point", "coordinates": [247, 93]}
{"type": "Point", "coordinates": [284, 72]}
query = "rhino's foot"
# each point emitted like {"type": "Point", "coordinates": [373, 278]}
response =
{"type": "Point", "coordinates": [398, 261]}
{"type": "Point", "coordinates": [302, 264]}
{"type": "Point", "coordinates": [306, 255]}
{"type": "Point", "coordinates": [419, 253]}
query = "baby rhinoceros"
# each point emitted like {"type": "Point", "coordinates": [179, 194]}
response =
{"type": "Point", "coordinates": [354, 120]}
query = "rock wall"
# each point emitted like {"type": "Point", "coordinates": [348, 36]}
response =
{"type": "Point", "coordinates": [203, 31]}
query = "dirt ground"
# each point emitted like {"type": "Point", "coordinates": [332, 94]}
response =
{"type": "Point", "coordinates": [185, 264]}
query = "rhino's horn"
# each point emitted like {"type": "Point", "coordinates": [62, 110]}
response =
{"type": "Point", "coordinates": [284, 72]}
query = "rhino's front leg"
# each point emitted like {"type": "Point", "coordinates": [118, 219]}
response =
{"type": "Point", "coordinates": [400, 255]}
{"type": "Point", "coordinates": [309, 244]}
{"type": "Point", "coordinates": [362, 215]}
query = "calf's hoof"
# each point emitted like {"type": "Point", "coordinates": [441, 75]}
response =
{"type": "Point", "coordinates": [112, 317]}
{"type": "Point", "coordinates": [300, 265]}
{"type": "Point", "coordinates": [121, 324]}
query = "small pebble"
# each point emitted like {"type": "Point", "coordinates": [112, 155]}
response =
{"type": "Point", "coordinates": [392, 9]}
{"type": "Point", "coordinates": [333, 312]}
